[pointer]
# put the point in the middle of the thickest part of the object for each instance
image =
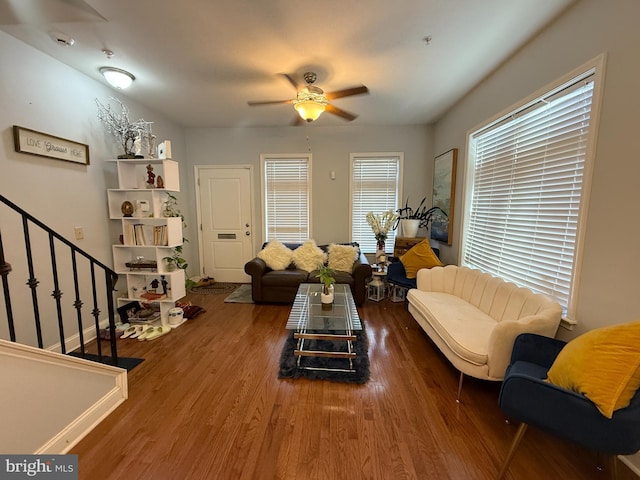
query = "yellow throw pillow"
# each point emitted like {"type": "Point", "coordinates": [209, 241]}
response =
{"type": "Point", "coordinates": [276, 255]}
{"type": "Point", "coordinates": [603, 365]}
{"type": "Point", "coordinates": [309, 256]}
{"type": "Point", "coordinates": [419, 256]}
{"type": "Point", "coordinates": [342, 257]}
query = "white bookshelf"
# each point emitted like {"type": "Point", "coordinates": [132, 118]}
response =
{"type": "Point", "coordinates": [147, 235]}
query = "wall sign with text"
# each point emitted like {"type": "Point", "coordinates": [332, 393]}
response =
{"type": "Point", "coordinates": [45, 145]}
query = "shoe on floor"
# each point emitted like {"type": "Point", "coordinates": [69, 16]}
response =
{"type": "Point", "coordinates": [158, 332]}
{"type": "Point", "coordinates": [140, 329]}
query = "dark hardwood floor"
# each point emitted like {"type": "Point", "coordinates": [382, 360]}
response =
{"type": "Point", "coordinates": [207, 404]}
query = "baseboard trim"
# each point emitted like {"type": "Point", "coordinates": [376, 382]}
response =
{"type": "Point", "coordinates": [72, 343]}
{"type": "Point", "coordinates": [71, 435]}
{"type": "Point", "coordinates": [630, 465]}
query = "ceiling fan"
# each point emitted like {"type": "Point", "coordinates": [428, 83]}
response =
{"type": "Point", "coordinates": [311, 100]}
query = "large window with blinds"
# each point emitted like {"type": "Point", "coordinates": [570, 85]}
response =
{"type": "Point", "coordinates": [376, 186]}
{"type": "Point", "coordinates": [527, 190]}
{"type": "Point", "coordinates": [286, 197]}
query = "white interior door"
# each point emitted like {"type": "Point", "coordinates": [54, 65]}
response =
{"type": "Point", "coordinates": [225, 199]}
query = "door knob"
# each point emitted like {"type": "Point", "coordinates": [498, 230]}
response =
{"type": "Point", "coordinates": [247, 233]}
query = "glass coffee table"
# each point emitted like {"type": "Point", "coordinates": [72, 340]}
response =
{"type": "Point", "coordinates": [324, 333]}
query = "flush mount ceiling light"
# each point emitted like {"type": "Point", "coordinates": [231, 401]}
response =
{"type": "Point", "coordinates": [117, 77]}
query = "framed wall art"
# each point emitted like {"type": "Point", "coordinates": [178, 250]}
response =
{"type": "Point", "coordinates": [444, 194]}
{"type": "Point", "coordinates": [45, 145]}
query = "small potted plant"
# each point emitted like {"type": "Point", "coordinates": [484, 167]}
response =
{"type": "Point", "coordinates": [171, 208]}
{"type": "Point", "coordinates": [412, 220]}
{"type": "Point", "coordinates": [327, 278]}
{"type": "Point", "coordinates": [175, 260]}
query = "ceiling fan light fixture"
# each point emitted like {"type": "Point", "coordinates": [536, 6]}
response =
{"type": "Point", "coordinates": [309, 110]}
{"type": "Point", "coordinates": [117, 77]}
{"type": "Point", "coordinates": [310, 105]}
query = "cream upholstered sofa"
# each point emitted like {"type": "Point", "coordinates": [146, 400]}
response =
{"type": "Point", "coordinates": [474, 317]}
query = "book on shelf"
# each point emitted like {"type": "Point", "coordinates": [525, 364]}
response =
{"type": "Point", "coordinates": [138, 230]}
{"type": "Point", "coordinates": [160, 235]}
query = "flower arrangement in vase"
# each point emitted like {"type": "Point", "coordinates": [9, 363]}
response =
{"type": "Point", "coordinates": [381, 224]}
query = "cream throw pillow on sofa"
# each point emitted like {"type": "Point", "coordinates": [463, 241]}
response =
{"type": "Point", "coordinates": [309, 256]}
{"type": "Point", "coordinates": [276, 255]}
{"type": "Point", "coordinates": [342, 257]}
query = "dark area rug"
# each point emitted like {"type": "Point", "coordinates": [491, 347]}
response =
{"type": "Point", "coordinates": [123, 362]}
{"type": "Point", "coordinates": [289, 367]}
{"type": "Point", "coordinates": [214, 289]}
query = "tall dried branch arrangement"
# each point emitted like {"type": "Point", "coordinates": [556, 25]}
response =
{"type": "Point", "coordinates": [126, 132]}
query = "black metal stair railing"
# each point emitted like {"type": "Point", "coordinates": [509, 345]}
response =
{"type": "Point", "coordinates": [95, 270]}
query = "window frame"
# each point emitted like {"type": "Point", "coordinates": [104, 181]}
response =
{"type": "Point", "coordinates": [353, 157]}
{"type": "Point", "coordinates": [597, 66]}
{"type": "Point", "coordinates": [266, 157]}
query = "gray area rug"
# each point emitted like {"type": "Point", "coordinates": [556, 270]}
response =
{"type": "Point", "coordinates": [242, 294]}
{"type": "Point", "coordinates": [289, 362]}
{"type": "Point", "coordinates": [215, 289]}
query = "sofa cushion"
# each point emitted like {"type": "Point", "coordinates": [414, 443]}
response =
{"type": "Point", "coordinates": [602, 364]}
{"type": "Point", "coordinates": [342, 257]}
{"type": "Point", "coordinates": [309, 256]}
{"type": "Point", "coordinates": [276, 255]}
{"type": "Point", "coordinates": [463, 327]}
{"type": "Point", "coordinates": [285, 278]}
{"type": "Point", "coordinates": [419, 256]}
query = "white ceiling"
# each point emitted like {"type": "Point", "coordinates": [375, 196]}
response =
{"type": "Point", "coordinates": [200, 61]}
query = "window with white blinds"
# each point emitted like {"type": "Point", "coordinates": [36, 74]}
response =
{"type": "Point", "coordinates": [526, 184]}
{"type": "Point", "coordinates": [376, 186]}
{"type": "Point", "coordinates": [286, 194]}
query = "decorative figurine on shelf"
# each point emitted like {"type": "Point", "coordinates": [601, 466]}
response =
{"type": "Point", "coordinates": [151, 177]}
{"type": "Point", "coordinates": [155, 284]}
{"type": "Point", "coordinates": [127, 208]}
{"type": "Point", "coordinates": [159, 182]}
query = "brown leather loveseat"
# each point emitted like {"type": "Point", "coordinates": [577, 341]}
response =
{"type": "Point", "coordinates": [280, 286]}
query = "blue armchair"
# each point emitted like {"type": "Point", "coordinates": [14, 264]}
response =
{"type": "Point", "coordinates": [396, 274]}
{"type": "Point", "coordinates": [525, 396]}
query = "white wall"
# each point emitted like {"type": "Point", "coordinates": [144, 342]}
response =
{"type": "Point", "coordinates": [330, 147]}
{"type": "Point", "coordinates": [51, 401]}
{"type": "Point", "coordinates": [608, 283]}
{"type": "Point", "coordinates": [42, 94]}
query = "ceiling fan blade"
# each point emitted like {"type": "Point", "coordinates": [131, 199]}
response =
{"type": "Point", "coordinates": [291, 81]}
{"type": "Point", "coordinates": [269, 102]}
{"type": "Point", "coordinates": [347, 92]}
{"type": "Point", "coordinates": [341, 113]}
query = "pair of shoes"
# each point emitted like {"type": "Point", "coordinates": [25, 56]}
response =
{"type": "Point", "coordinates": [206, 281]}
{"type": "Point", "coordinates": [121, 327]}
{"type": "Point", "coordinates": [154, 332]}
{"type": "Point", "coordinates": [135, 330]}
{"type": "Point", "coordinates": [130, 330]}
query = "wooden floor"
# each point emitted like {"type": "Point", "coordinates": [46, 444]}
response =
{"type": "Point", "coordinates": [207, 404]}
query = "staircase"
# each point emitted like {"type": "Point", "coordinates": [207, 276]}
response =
{"type": "Point", "coordinates": [38, 268]}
